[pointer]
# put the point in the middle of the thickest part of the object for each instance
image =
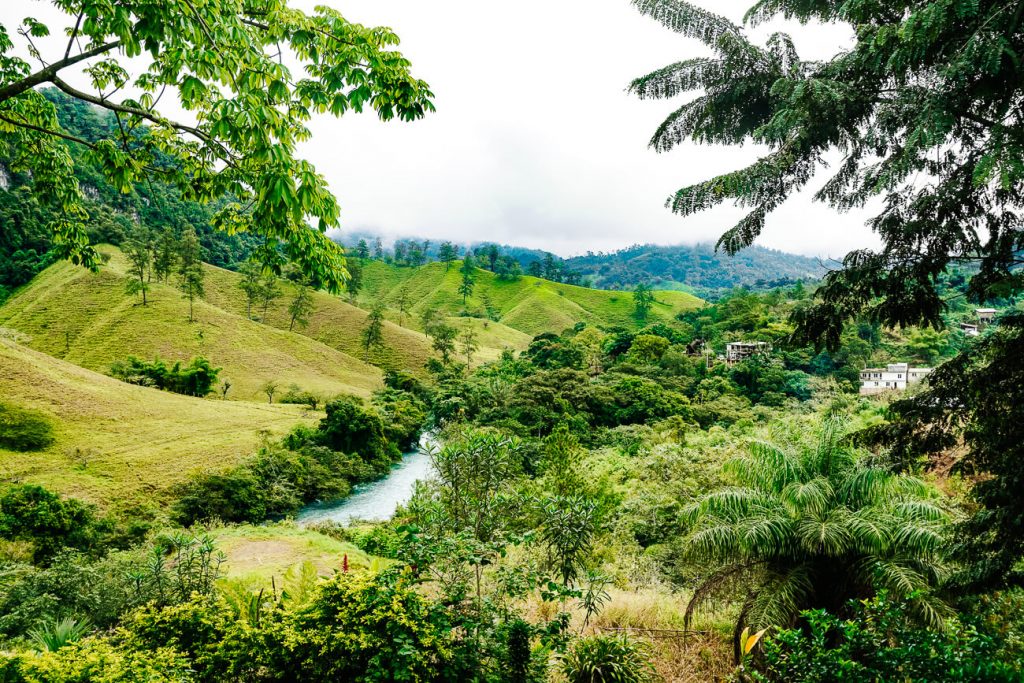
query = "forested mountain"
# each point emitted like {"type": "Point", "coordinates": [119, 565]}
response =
{"type": "Point", "coordinates": [25, 239]}
{"type": "Point", "coordinates": [698, 268]}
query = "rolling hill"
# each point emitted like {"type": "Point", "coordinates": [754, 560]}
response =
{"type": "Point", "coordinates": [87, 319]}
{"type": "Point", "coordinates": [528, 305]}
{"type": "Point", "coordinates": [117, 442]}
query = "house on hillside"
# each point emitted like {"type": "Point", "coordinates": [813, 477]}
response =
{"type": "Point", "coordinates": [741, 351]}
{"type": "Point", "coordinates": [970, 329]}
{"type": "Point", "coordinates": [985, 315]}
{"type": "Point", "coordinates": [894, 377]}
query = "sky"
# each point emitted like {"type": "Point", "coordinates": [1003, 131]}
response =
{"type": "Point", "coordinates": [535, 141]}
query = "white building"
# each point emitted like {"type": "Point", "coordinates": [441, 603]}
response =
{"type": "Point", "coordinates": [970, 329]}
{"type": "Point", "coordinates": [740, 351]}
{"type": "Point", "coordinates": [986, 315]}
{"type": "Point", "coordinates": [894, 377]}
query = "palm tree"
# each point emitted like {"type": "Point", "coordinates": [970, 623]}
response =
{"type": "Point", "coordinates": [813, 529]}
{"type": "Point", "coordinates": [56, 634]}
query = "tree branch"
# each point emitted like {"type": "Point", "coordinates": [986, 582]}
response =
{"type": "Point", "coordinates": [225, 154]}
{"type": "Point", "coordinates": [49, 73]}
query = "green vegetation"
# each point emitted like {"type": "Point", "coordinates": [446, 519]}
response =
{"type": "Point", "coordinates": [617, 493]}
{"type": "Point", "coordinates": [245, 114]}
{"type": "Point", "coordinates": [195, 379]}
{"type": "Point", "coordinates": [699, 269]}
{"type": "Point", "coordinates": [106, 326]}
{"type": "Point", "coordinates": [24, 430]}
{"type": "Point", "coordinates": [116, 444]}
{"type": "Point", "coordinates": [527, 304]}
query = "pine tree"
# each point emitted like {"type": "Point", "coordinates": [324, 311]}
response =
{"type": "Point", "coordinates": [136, 250]}
{"type": "Point", "coordinates": [373, 334]}
{"type": "Point", "coordinates": [355, 279]}
{"type": "Point", "coordinates": [468, 278]}
{"type": "Point", "coordinates": [165, 255]}
{"type": "Point", "coordinates": [269, 292]}
{"type": "Point", "coordinates": [468, 345]}
{"type": "Point", "coordinates": [251, 284]}
{"type": "Point", "coordinates": [403, 303]}
{"type": "Point", "coordinates": [362, 251]}
{"type": "Point", "coordinates": [301, 306]}
{"type": "Point", "coordinates": [190, 270]}
{"type": "Point", "coordinates": [643, 300]}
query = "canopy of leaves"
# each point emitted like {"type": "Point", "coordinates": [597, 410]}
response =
{"type": "Point", "coordinates": [813, 527]}
{"type": "Point", "coordinates": [925, 111]}
{"type": "Point", "coordinates": [247, 112]}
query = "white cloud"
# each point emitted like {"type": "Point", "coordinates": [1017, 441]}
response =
{"type": "Point", "coordinates": [535, 141]}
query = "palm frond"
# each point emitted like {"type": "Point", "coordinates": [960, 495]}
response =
{"type": "Point", "coordinates": [678, 78]}
{"type": "Point", "coordinates": [828, 535]}
{"type": "Point", "coordinates": [808, 497]}
{"type": "Point", "coordinates": [687, 20]}
{"type": "Point", "coordinates": [779, 602]}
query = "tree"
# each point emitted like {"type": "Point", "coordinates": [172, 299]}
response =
{"type": "Point", "coordinates": [403, 303]}
{"type": "Point", "coordinates": [468, 278]}
{"type": "Point", "coordinates": [269, 292]}
{"type": "Point", "coordinates": [929, 90]}
{"type": "Point", "coordinates": [443, 340]}
{"type": "Point", "coordinates": [190, 269]}
{"type": "Point", "coordinates": [551, 268]}
{"type": "Point", "coordinates": [225, 386]}
{"type": "Point", "coordinates": [165, 255]}
{"type": "Point", "coordinates": [468, 345]}
{"type": "Point", "coordinates": [535, 269]}
{"type": "Point", "coordinates": [814, 528]}
{"type": "Point", "coordinates": [373, 333]}
{"type": "Point", "coordinates": [492, 254]}
{"type": "Point", "coordinates": [447, 253]}
{"type": "Point", "coordinates": [270, 388]}
{"type": "Point", "coordinates": [975, 403]}
{"type": "Point", "coordinates": [378, 249]}
{"type": "Point", "coordinates": [355, 280]}
{"type": "Point", "coordinates": [362, 250]}
{"type": "Point", "coordinates": [136, 250]}
{"type": "Point", "coordinates": [301, 306]}
{"type": "Point", "coordinates": [251, 284]}
{"type": "Point", "coordinates": [244, 112]}
{"type": "Point", "coordinates": [643, 300]}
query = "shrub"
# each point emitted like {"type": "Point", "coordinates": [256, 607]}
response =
{"type": "Point", "coordinates": [878, 643]}
{"type": "Point", "coordinates": [350, 427]}
{"type": "Point", "coordinates": [32, 513]}
{"type": "Point", "coordinates": [195, 379]}
{"type": "Point", "coordinates": [607, 659]}
{"type": "Point", "coordinates": [24, 430]}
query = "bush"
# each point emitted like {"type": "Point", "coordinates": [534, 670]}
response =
{"type": "Point", "coordinates": [350, 427]}
{"type": "Point", "coordinates": [32, 513]}
{"type": "Point", "coordinates": [195, 379]}
{"type": "Point", "coordinates": [607, 659]}
{"type": "Point", "coordinates": [879, 643]}
{"type": "Point", "coordinates": [24, 430]}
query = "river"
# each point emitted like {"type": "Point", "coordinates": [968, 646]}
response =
{"type": "Point", "coordinates": [375, 500]}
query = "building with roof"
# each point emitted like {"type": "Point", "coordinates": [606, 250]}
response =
{"type": "Point", "coordinates": [893, 377]}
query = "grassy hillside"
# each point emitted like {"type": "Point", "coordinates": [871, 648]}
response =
{"type": "Point", "coordinates": [116, 442]}
{"type": "Point", "coordinates": [87, 319]}
{"type": "Point", "coordinates": [529, 305]}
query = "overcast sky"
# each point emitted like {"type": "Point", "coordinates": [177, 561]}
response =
{"type": "Point", "coordinates": [535, 141]}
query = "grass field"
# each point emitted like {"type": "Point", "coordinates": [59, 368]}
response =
{"type": "Point", "coordinates": [116, 442]}
{"type": "Point", "coordinates": [88, 319]}
{"type": "Point", "coordinates": [529, 305]}
{"type": "Point", "coordinates": [256, 554]}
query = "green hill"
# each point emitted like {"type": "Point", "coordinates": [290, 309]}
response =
{"type": "Point", "coordinates": [117, 442]}
{"type": "Point", "coordinates": [528, 305]}
{"type": "Point", "coordinates": [87, 319]}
